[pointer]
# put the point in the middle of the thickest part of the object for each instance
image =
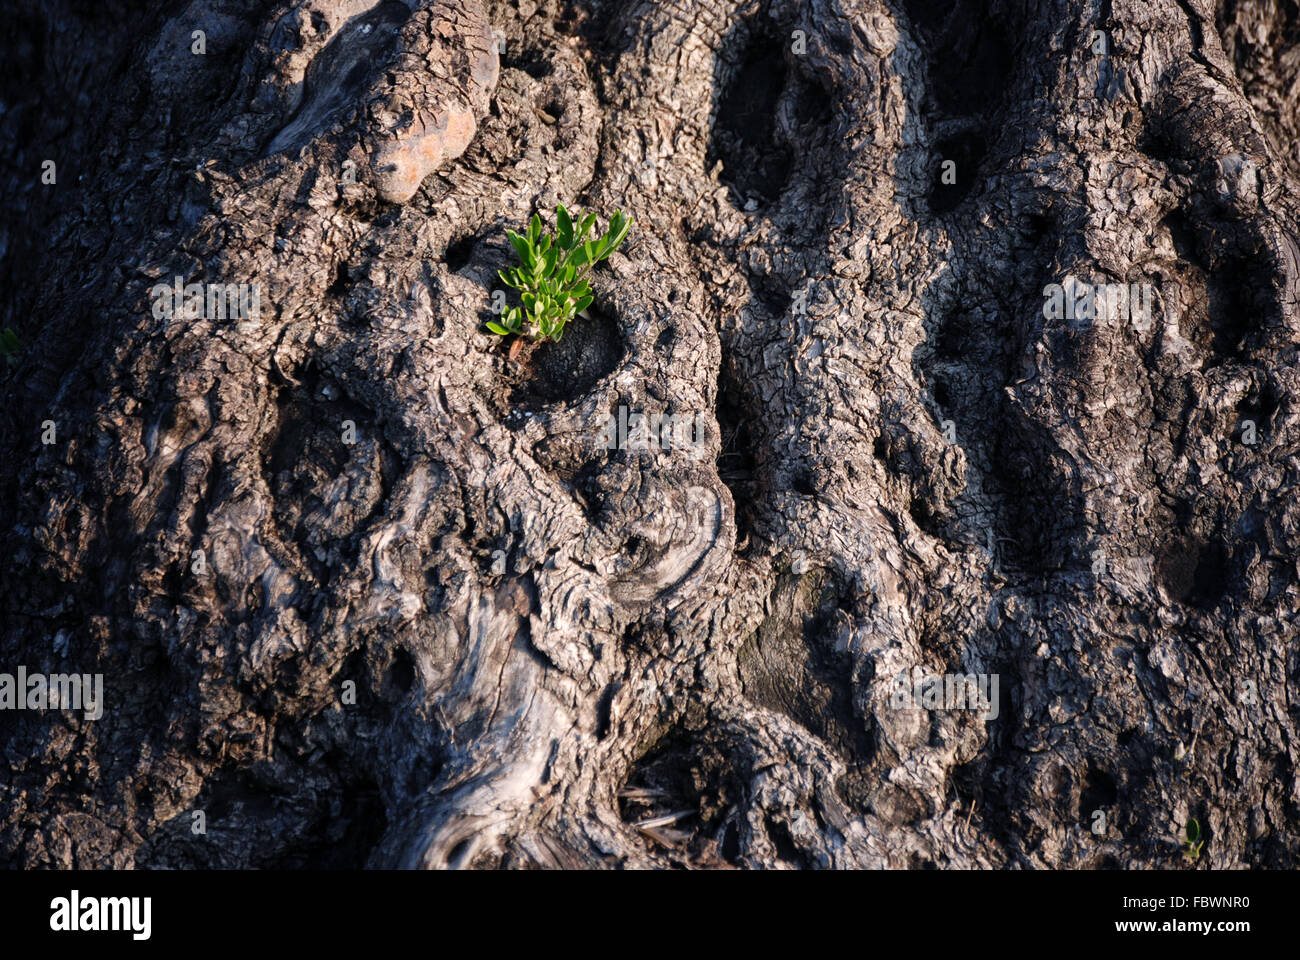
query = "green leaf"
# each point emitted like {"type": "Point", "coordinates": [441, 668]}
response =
{"type": "Point", "coordinates": [498, 329]}
{"type": "Point", "coordinates": [565, 223]}
{"type": "Point", "coordinates": [522, 247]}
{"type": "Point", "coordinates": [619, 225]}
{"type": "Point", "coordinates": [551, 276]}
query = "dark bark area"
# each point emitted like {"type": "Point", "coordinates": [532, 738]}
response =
{"type": "Point", "coordinates": [436, 623]}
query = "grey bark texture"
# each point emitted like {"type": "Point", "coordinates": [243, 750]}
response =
{"type": "Point", "coordinates": [438, 624]}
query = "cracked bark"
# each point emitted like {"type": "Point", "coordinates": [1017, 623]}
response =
{"type": "Point", "coordinates": [905, 462]}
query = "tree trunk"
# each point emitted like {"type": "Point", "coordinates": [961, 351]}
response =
{"type": "Point", "coordinates": [367, 589]}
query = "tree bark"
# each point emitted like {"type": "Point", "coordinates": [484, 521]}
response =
{"type": "Point", "coordinates": [366, 589]}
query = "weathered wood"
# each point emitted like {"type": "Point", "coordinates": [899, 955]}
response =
{"type": "Point", "coordinates": [568, 655]}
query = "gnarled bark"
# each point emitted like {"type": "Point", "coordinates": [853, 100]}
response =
{"type": "Point", "coordinates": [366, 590]}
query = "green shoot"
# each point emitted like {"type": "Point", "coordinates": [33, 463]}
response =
{"type": "Point", "coordinates": [552, 273]}
{"type": "Point", "coordinates": [1192, 845]}
{"type": "Point", "coordinates": [9, 346]}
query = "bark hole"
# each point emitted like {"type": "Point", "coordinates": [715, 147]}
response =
{"type": "Point", "coordinates": [1194, 572]}
{"type": "Point", "coordinates": [701, 771]}
{"type": "Point", "coordinates": [1039, 513]}
{"type": "Point", "coordinates": [744, 136]}
{"type": "Point", "coordinates": [1239, 289]}
{"type": "Point", "coordinates": [592, 348]}
{"type": "Point", "coordinates": [739, 457]}
{"type": "Point", "coordinates": [786, 849]}
{"type": "Point", "coordinates": [1258, 406]}
{"type": "Point", "coordinates": [339, 285]}
{"type": "Point", "coordinates": [1099, 793]}
{"type": "Point", "coordinates": [969, 51]}
{"type": "Point", "coordinates": [1183, 237]}
{"type": "Point", "coordinates": [1159, 142]}
{"type": "Point", "coordinates": [459, 252]}
{"type": "Point", "coordinates": [531, 61]}
{"type": "Point", "coordinates": [351, 828]}
{"type": "Point", "coordinates": [957, 167]}
{"type": "Point", "coordinates": [400, 677]}
{"type": "Point", "coordinates": [604, 709]}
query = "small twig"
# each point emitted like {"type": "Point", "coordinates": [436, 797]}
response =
{"type": "Point", "coordinates": [640, 793]}
{"type": "Point", "coordinates": [664, 820]}
{"type": "Point", "coordinates": [666, 838]}
{"type": "Point", "coordinates": [1187, 757]}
